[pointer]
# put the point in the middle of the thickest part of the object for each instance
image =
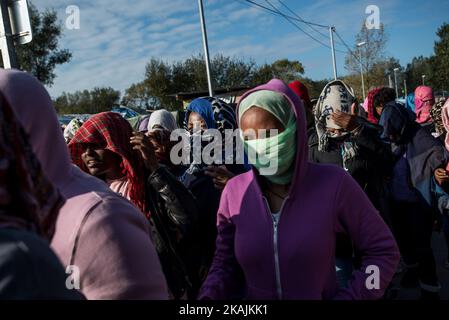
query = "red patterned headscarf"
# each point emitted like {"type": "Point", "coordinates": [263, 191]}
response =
{"type": "Point", "coordinates": [112, 132]}
{"type": "Point", "coordinates": [27, 199]}
{"type": "Point", "coordinates": [371, 96]}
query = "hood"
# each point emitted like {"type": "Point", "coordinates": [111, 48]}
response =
{"type": "Point", "coordinates": [35, 112]}
{"type": "Point", "coordinates": [162, 118]}
{"type": "Point", "coordinates": [302, 149]}
{"type": "Point", "coordinates": [396, 119]}
{"type": "Point", "coordinates": [423, 93]}
{"type": "Point", "coordinates": [202, 106]}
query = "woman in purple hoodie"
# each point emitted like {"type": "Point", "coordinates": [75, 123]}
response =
{"type": "Point", "coordinates": [277, 229]}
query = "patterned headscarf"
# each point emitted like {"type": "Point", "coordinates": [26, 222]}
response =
{"type": "Point", "coordinates": [370, 105]}
{"type": "Point", "coordinates": [27, 199]}
{"type": "Point", "coordinates": [72, 128]}
{"type": "Point", "coordinates": [218, 115]}
{"type": "Point", "coordinates": [336, 95]}
{"type": "Point", "coordinates": [112, 132]}
{"type": "Point", "coordinates": [435, 114]}
{"type": "Point", "coordinates": [445, 119]}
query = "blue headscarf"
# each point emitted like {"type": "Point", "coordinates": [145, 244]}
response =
{"type": "Point", "coordinates": [204, 108]}
{"type": "Point", "coordinates": [410, 102]}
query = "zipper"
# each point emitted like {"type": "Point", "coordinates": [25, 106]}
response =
{"type": "Point", "coordinates": [276, 246]}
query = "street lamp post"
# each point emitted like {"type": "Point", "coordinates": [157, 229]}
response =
{"type": "Point", "coordinates": [6, 40]}
{"type": "Point", "coordinates": [334, 63]}
{"type": "Point", "coordinates": [206, 48]}
{"type": "Point", "coordinates": [405, 89]}
{"type": "Point", "coordinates": [396, 82]}
{"type": "Point", "coordinates": [361, 67]}
{"type": "Point", "coordinates": [423, 77]}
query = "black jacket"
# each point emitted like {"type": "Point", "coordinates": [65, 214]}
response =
{"type": "Point", "coordinates": [174, 218]}
{"type": "Point", "coordinates": [29, 269]}
{"type": "Point", "coordinates": [370, 168]}
{"type": "Point", "coordinates": [372, 164]}
{"type": "Point", "coordinates": [208, 200]}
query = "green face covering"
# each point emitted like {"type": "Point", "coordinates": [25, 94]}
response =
{"type": "Point", "coordinates": [273, 157]}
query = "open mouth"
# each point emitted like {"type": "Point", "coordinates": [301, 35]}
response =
{"type": "Point", "coordinates": [93, 164]}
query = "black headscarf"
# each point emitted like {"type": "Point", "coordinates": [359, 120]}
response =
{"type": "Point", "coordinates": [399, 121]}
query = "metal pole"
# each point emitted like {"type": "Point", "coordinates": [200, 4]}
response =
{"type": "Point", "coordinates": [6, 41]}
{"type": "Point", "coordinates": [334, 63]}
{"type": "Point", "coordinates": [206, 48]}
{"type": "Point", "coordinates": [361, 73]}
{"type": "Point", "coordinates": [405, 88]}
{"type": "Point", "coordinates": [390, 83]}
{"type": "Point", "coordinates": [396, 84]}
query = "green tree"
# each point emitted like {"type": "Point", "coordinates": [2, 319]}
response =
{"type": "Point", "coordinates": [163, 79]}
{"type": "Point", "coordinates": [41, 56]}
{"type": "Point", "coordinates": [418, 67]}
{"type": "Point", "coordinates": [373, 58]}
{"type": "Point", "coordinates": [440, 61]}
{"type": "Point", "coordinates": [89, 102]}
{"type": "Point", "coordinates": [283, 69]}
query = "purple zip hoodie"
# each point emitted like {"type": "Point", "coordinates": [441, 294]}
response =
{"type": "Point", "coordinates": [295, 259]}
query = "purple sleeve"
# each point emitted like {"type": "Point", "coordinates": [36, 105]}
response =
{"type": "Point", "coordinates": [370, 236]}
{"type": "Point", "coordinates": [225, 280]}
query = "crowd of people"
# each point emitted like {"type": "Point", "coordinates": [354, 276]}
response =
{"type": "Point", "coordinates": [101, 210]}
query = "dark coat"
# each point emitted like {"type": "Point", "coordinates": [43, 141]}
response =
{"type": "Point", "coordinates": [174, 218]}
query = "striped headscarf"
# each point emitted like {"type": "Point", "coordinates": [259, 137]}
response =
{"type": "Point", "coordinates": [27, 199]}
{"type": "Point", "coordinates": [216, 113]}
{"type": "Point", "coordinates": [112, 132]}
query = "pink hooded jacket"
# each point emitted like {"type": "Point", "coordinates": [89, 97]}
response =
{"type": "Point", "coordinates": [99, 232]}
{"type": "Point", "coordinates": [295, 258]}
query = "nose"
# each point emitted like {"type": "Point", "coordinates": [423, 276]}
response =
{"type": "Point", "coordinates": [89, 151]}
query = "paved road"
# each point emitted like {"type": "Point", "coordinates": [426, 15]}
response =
{"type": "Point", "coordinates": [440, 251]}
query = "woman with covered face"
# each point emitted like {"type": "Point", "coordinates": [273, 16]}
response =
{"type": "Point", "coordinates": [352, 143]}
{"type": "Point", "coordinates": [417, 155]}
{"type": "Point", "coordinates": [106, 147]}
{"type": "Point", "coordinates": [204, 179]}
{"type": "Point", "coordinates": [277, 224]}
{"type": "Point", "coordinates": [29, 208]}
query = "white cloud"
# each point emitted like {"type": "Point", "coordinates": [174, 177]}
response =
{"type": "Point", "coordinates": [117, 37]}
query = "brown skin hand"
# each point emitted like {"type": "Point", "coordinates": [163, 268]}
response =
{"type": "Point", "coordinates": [142, 143]}
{"type": "Point", "coordinates": [441, 176]}
{"type": "Point", "coordinates": [255, 119]}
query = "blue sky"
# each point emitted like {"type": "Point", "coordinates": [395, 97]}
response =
{"type": "Point", "coordinates": [116, 38]}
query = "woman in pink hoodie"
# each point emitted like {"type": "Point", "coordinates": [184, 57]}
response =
{"type": "Point", "coordinates": [98, 233]}
{"type": "Point", "coordinates": [277, 230]}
